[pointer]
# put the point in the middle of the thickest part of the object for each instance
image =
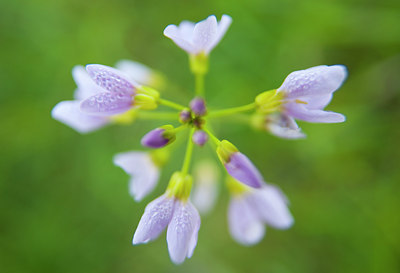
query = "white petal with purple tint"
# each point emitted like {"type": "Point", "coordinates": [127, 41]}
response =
{"type": "Point", "coordinates": [205, 189]}
{"type": "Point", "coordinates": [245, 226]}
{"type": "Point", "coordinates": [107, 104]}
{"type": "Point", "coordinates": [155, 219]}
{"type": "Point", "coordinates": [301, 112]}
{"type": "Point", "coordinates": [136, 72]}
{"type": "Point", "coordinates": [284, 126]}
{"type": "Point", "coordinates": [204, 34]}
{"type": "Point", "coordinates": [314, 81]}
{"type": "Point", "coordinates": [69, 113]}
{"type": "Point", "coordinates": [200, 37]}
{"type": "Point", "coordinates": [182, 231]}
{"type": "Point", "coordinates": [145, 174]}
{"type": "Point", "coordinates": [110, 79]}
{"type": "Point", "coordinates": [271, 204]}
{"type": "Point", "coordinates": [86, 86]}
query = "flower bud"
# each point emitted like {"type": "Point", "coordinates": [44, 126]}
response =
{"type": "Point", "coordinates": [159, 137]}
{"type": "Point", "coordinates": [200, 137]}
{"type": "Point", "coordinates": [198, 106]}
{"type": "Point", "coordinates": [185, 116]}
{"type": "Point", "coordinates": [238, 165]}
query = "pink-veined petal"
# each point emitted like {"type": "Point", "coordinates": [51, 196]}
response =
{"type": "Point", "coordinates": [69, 113]}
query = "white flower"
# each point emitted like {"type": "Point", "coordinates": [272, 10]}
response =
{"type": "Point", "coordinates": [69, 112]}
{"type": "Point", "coordinates": [143, 171]}
{"type": "Point", "coordinates": [182, 220]}
{"type": "Point", "coordinates": [201, 37]}
{"type": "Point", "coordinates": [205, 189]}
{"type": "Point", "coordinates": [251, 209]}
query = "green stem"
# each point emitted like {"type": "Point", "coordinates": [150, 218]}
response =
{"type": "Point", "coordinates": [199, 84]}
{"type": "Point", "coordinates": [157, 115]}
{"type": "Point", "coordinates": [180, 128]}
{"type": "Point", "coordinates": [231, 111]}
{"type": "Point", "coordinates": [188, 154]}
{"type": "Point", "coordinates": [171, 104]}
{"type": "Point", "coordinates": [214, 138]}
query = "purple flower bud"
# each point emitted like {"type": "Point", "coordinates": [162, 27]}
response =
{"type": "Point", "coordinates": [200, 137]}
{"type": "Point", "coordinates": [155, 139]}
{"type": "Point", "coordinates": [242, 169]}
{"type": "Point", "coordinates": [198, 106]}
{"type": "Point", "coordinates": [185, 116]}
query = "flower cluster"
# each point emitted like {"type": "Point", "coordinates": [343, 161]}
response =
{"type": "Point", "coordinates": [130, 91]}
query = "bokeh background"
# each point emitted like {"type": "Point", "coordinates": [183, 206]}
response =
{"type": "Point", "coordinates": [64, 207]}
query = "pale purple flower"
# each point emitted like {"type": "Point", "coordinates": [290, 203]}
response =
{"type": "Point", "coordinates": [119, 91]}
{"type": "Point", "coordinates": [251, 210]}
{"type": "Point", "coordinates": [205, 191]}
{"type": "Point", "coordinates": [283, 126]}
{"type": "Point", "coordinates": [198, 106]}
{"type": "Point", "coordinates": [201, 37]}
{"type": "Point", "coordinates": [155, 138]}
{"type": "Point", "coordinates": [241, 168]}
{"type": "Point", "coordinates": [200, 137]}
{"type": "Point", "coordinates": [307, 92]}
{"type": "Point", "coordinates": [69, 112]}
{"type": "Point", "coordinates": [143, 171]}
{"type": "Point", "coordinates": [183, 223]}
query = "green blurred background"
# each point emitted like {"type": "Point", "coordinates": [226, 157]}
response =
{"type": "Point", "coordinates": [64, 207]}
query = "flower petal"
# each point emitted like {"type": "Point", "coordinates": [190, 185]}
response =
{"type": "Point", "coordinates": [284, 127]}
{"type": "Point", "coordinates": [205, 189]}
{"type": "Point", "coordinates": [86, 86]}
{"type": "Point", "coordinates": [107, 104]}
{"type": "Point", "coordinates": [315, 81]}
{"type": "Point", "coordinates": [204, 34]}
{"type": "Point", "coordinates": [110, 79]}
{"type": "Point", "coordinates": [155, 219]}
{"type": "Point", "coordinates": [299, 111]}
{"type": "Point", "coordinates": [144, 172]}
{"type": "Point", "coordinates": [174, 34]}
{"type": "Point", "coordinates": [136, 72]}
{"type": "Point", "coordinates": [244, 224]}
{"type": "Point", "coordinates": [69, 113]}
{"type": "Point", "coordinates": [241, 168]}
{"type": "Point", "coordinates": [270, 204]}
{"type": "Point", "coordinates": [182, 231]}
{"type": "Point", "coordinates": [223, 26]}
